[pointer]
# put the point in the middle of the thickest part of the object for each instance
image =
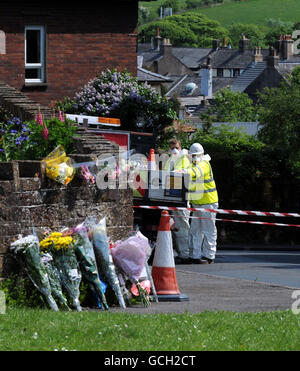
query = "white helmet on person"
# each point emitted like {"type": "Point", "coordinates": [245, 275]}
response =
{"type": "Point", "coordinates": [196, 149]}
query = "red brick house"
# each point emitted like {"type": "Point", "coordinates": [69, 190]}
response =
{"type": "Point", "coordinates": [49, 50]}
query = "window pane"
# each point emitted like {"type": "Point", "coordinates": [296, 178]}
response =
{"type": "Point", "coordinates": [32, 73]}
{"type": "Point", "coordinates": [33, 46]}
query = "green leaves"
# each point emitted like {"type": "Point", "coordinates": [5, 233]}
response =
{"type": "Point", "coordinates": [279, 117]}
{"type": "Point", "coordinates": [231, 107]}
{"type": "Point", "coordinates": [188, 29]}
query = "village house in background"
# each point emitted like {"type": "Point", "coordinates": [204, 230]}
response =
{"type": "Point", "coordinates": [50, 50]}
{"type": "Point", "coordinates": [199, 73]}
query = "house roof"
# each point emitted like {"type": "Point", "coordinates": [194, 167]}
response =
{"type": "Point", "coordinates": [180, 85]}
{"type": "Point", "coordinates": [191, 57]}
{"type": "Point", "coordinates": [194, 57]}
{"type": "Point", "coordinates": [248, 76]}
{"type": "Point", "coordinates": [233, 58]}
{"type": "Point", "coordinates": [149, 76]}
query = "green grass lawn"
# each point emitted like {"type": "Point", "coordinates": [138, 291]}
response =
{"type": "Point", "coordinates": [254, 11]}
{"type": "Point", "coordinates": [250, 11]}
{"type": "Point", "coordinates": [28, 329]}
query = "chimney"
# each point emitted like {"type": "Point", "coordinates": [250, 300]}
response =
{"type": "Point", "coordinates": [244, 44]}
{"type": "Point", "coordinates": [166, 47]}
{"type": "Point", "coordinates": [272, 59]}
{"type": "Point", "coordinates": [258, 57]}
{"type": "Point", "coordinates": [287, 47]}
{"type": "Point", "coordinates": [278, 44]}
{"type": "Point", "coordinates": [157, 40]}
{"type": "Point", "coordinates": [206, 79]}
{"type": "Point", "coordinates": [215, 44]}
{"type": "Point", "coordinates": [140, 59]}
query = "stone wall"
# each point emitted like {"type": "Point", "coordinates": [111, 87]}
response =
{"type": "Point", "coordinates": [28, 199]}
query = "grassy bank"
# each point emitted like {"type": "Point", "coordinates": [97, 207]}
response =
{"type": "Point", "coordinates": [26, 329]}
{"type": "Point", "coordinates": [253, 11]}
{"type": "Point", "coordinates": [250, 11]}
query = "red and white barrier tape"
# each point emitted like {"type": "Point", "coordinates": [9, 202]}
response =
{"type": "Point", "coordinates": [222, 211]}
{"type": "Point", "coordinates": [241, 221]}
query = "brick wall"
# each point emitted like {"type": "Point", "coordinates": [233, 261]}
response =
{"type": "Point", "coordinates": [81, 40]}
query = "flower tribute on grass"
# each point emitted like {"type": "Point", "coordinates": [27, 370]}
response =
{"type": "Point", "coordinates": [27, 252]}
{"type": "Point", "coordinates": [62, 250]}
{"type": "Point", "coordinates": [58, 262]}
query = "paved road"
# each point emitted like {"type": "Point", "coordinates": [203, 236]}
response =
{"type": "Point", "coordinates": [239, 281]}
{"type": "Point", "coordinates": [275, 267]}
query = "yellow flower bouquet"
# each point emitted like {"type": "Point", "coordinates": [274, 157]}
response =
{"type": "Point", "coordinates": [56, 241]}
{"type": "Point", "coordinates": [59, 166]}
{"type": "Point", "coordinates": [61, 247]}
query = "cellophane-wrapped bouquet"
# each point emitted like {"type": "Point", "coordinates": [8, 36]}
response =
{"type": "Point", "coordinates": [59, 166]}
{"type": "Point", "coordinates": [27, 252]}
{"type": "Point", "coordinates": [130, 257]}
{"type": "Point", "coordinates": [87, 261]}
{"type": "Point", "coordinates": [54, 279]}
{"type": "Point", "coordinates": [62, 250]}
{"type": "Point", "coordinates": [104, 258]}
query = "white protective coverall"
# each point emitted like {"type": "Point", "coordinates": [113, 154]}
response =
{"type": "Point", "coordinates": [179, 161]}
{"type": "Point", "coordinates": [203, 232]}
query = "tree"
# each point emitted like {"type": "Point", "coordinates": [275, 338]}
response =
{"type": "Point", "coordinates": [229, 107]}
{"type": "Point", "coordinates": [279, 117]}
{"type": "Point", "coordinates": [188, 29]}
{"type": "Point", "coordinates": [276, 28]}
{"type": "Point", "coordinates": [256, 34]}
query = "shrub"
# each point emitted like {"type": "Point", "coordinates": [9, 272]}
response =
{"type": "Point", "coordinates": [118, 94]}
{"type": "Point", "coordinates": [31, 141]}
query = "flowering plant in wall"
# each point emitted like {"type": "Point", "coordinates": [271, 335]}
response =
{"type": "Point", "coordinates": [34, 139]}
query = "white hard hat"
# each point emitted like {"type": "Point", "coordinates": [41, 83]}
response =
{"type": "Point", "coordinates": [196, 149]}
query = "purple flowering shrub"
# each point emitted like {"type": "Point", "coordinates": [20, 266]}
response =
{"type": "Point", "coordinates": [118, 94]}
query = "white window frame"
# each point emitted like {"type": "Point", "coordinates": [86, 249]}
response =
{"type": "Point", "coordinates": [39, 66]}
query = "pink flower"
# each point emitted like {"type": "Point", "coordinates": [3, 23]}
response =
{"type": "Point", "coordinates": [145, 285]}
{"type": "Point", "coordinates": [61, 116]}
{"type": "Point", "coordinates": [39, 118]}
{"type": "Point", "coordinates": [45, 133]}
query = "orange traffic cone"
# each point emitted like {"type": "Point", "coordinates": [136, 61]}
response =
{"type": "Point", "coordinates": [151, 160]}
{"type": "Point", "coordinates": [163, 265]}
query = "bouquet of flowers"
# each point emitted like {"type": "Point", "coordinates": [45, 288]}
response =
{"type": "Point", "coordinates": [84, 173]}
{"type": "Point", "coordinates": [87, 261]}
{"type": "Point", "coordinates": [54, 279]}
{"type": "Point", "coordinates": [130, 257]}
{"type": "Point", "coordinates": [27, 252]}
{"type": "Point", "coordinates": [104, 258]}
{"type": "Point", "coordinates": [59, 167]}
{"type": "Point", "coordinates": [62, 250]}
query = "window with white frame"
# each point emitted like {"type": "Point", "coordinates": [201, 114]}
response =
{"type": "Point", "coordinates": [35, 54]}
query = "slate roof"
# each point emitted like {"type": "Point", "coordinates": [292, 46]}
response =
{"type": "Point", "coordinates": [233, 58]}
{"type": "Point", "coordinates": [194, 57]}
{"type": "Point", "coordinates": [179, 85]}
{"type": "Point", "coordinates": [191, 57]}
{"type": "Point", "coordinates": [149, 76]}
{"type": "Point", "coordinates": [248, 76]}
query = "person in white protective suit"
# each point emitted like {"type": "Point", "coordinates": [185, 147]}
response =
{"type": "Point", "coordinates": [179, 161]}
{"type": "Point", "coordinates": [202, 193]}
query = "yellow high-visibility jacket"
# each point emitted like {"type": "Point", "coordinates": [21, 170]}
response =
{"type": "Point", "coordinates": [202, 187]}
{"type": "Point", "coordinates": [179, 162]}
